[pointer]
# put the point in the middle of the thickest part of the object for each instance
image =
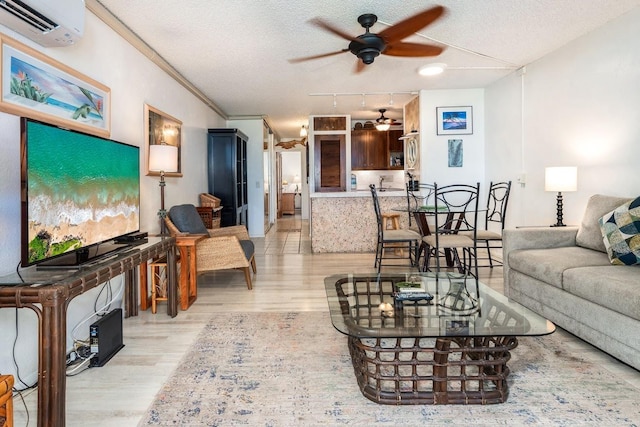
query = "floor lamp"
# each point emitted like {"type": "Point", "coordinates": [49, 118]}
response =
{"type": "Point", "coordinates": [163, 158]}
{"type": "Point", "coordinates": [560, 179]}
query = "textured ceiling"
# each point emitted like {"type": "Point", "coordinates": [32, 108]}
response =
{"type": "Point", "coordinates": [236, 51]}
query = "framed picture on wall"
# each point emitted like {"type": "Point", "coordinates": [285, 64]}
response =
{"type": "Point", "coordinates": [454, 120]}
{"type": "Point", "coordinates": [39, 87]}
{"type": "Point", "coordinates": [454, 150]}
{"type": "Point", "coordinates": [162, 129]}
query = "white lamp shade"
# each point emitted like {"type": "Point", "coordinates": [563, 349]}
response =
{"type": "Point", "coordinates": [163, 158]}
{"type": "Point", "coordinates": [564, 178]}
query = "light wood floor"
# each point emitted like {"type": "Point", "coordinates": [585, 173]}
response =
{"type": "Point", "coordinates": [289, 278]}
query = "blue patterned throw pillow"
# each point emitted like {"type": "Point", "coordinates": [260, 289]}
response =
{"type": "Point", "coordinates": [621, 233]}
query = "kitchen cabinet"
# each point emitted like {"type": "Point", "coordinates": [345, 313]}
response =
{"type": "Point", "coordinates": [368, 150]}
{"type": "Point", "coordinates": [395, 149]}
{"type": "Point", "coordinates": [372, 149]}
{"type": "Point", "coordinates": [227, 174]}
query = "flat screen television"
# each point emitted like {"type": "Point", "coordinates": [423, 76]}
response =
{"type": "Point", "coordinates": [79, 193]}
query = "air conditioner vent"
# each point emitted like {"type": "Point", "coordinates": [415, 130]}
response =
{"type": "Point", "coordinates": [28, 15]}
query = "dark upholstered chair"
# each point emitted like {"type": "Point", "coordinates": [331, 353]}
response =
{"type": "Point", "coordinates": [225, 248]}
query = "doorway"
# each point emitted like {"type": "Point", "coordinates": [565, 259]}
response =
{"type": "Point", "coordinates": [291, 164]}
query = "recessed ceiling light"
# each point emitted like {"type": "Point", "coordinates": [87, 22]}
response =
{"type": "Point", "coordinates": [432, 69]}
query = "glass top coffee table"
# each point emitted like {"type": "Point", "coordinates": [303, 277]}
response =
{"type": "Point", "coordinates": [426, 338]}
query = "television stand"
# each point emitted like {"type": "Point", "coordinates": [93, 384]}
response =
{"type": "Point", "coordinates": [48, 293]}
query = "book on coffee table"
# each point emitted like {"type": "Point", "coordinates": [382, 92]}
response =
{"type": "Point", "coordinates": [410, 287]}
{"type": "Point", "coordinates": [411, 291]}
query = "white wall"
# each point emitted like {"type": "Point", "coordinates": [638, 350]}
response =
{"type": "Point", "coordinates": [434, 148]}
{"type": "Point", "coordinates": [134, 81]}
{"type": "Point", "coordinates": [580, 108]}
{"type": "Point", "coordinates": [291, 166]}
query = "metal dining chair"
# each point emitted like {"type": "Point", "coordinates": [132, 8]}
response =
{"type": "Point", "coordinates": [419, 196]}
{"type": "Point", "coordinates": [455, 212]}
{"type": "Point", "coordinates": [491, 236]}
{"type": "Point", "coordinates": [392, 239]}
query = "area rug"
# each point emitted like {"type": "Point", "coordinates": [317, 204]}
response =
{"type": "Point", "coordinates": [294, 369]}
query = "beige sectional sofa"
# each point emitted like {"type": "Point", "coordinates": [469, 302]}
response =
{"type": "Point", "coordinates": [564, 274]}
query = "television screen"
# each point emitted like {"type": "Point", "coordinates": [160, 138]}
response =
{"type": "Point", "coordinates": [79, 191]}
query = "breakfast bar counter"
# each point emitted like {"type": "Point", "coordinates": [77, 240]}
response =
{"type": "Point", "coordinates": [346, 221]}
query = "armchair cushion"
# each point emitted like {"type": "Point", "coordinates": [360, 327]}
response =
{"type": "Point", "coordinates": [187, 219]}
{"type": "Point", "coordinates": [248, 248]}
{"type": "Point", "coordinates": [621, 232]}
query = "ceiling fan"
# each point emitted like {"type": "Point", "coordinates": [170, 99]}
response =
{"type": "Point", "coordinates": [384, 123]}
{"type": "Point", "coordinates": [369, 45]}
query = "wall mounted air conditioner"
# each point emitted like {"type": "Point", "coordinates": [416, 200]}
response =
{"type": "Point", "coordinates": [46, 22]}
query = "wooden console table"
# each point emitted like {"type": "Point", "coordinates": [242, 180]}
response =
{"type": "Point", "coordinates": [48, 293]}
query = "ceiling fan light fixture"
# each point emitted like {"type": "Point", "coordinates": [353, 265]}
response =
{"type": "Point", "coordinates": [383, 126]}
{"type": "Point", "coordinates": [432, 69]}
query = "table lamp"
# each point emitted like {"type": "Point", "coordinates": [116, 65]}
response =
{"type": "Point", "coordinates": [163, 158]}
{"type": "Point", "coordinates": [560, 179]}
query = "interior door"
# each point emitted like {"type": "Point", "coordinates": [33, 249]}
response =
{"type": "Point", "coordinates": [278, 185]}
{"type": "Point", "coordinates": [330, 167]}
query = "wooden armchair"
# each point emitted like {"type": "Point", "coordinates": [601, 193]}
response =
{"type": "Point", "coordinates": [225, 248]}
{"type": "Point", "coordinates": [6, 401]}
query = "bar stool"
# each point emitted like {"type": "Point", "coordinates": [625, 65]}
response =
{"type": "Point", "coordinates": [159, 282]}
{"type": "Point", "coordinates": [391, 221]}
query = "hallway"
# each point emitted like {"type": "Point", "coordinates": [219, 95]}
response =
{"type": "Point", "coordinates": [289, 235]}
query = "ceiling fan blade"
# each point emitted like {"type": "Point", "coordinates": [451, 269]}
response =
{"type": "Point", "coordinates": [410, 25]}
{"type": "Point", "coordinates": [322, 55]}
{"type": "Point", "coordinates": [326, 26]}
{"type": "Point", "coordinates": [412, 49]}
{"type": "Point", "coordinates": [359, 66]}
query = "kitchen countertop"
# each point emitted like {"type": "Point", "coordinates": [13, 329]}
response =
{"type": "Point", "coordinates": [364, 192]}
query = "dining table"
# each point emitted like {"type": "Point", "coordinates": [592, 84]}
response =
{"type": "Point", "coordinates": [422, 213]}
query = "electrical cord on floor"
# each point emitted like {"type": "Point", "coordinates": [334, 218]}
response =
{"type": "Point", "coordinates": [79, 367]}
{"type": "Point", "coordinates": [79, 360]}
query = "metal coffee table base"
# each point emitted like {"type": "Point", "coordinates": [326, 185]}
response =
{"type": "Point", "coordinates": [432, 371]}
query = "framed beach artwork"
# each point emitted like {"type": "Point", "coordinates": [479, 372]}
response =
{"type": "Point", "coordinates": [454, 120]}
{"type": "Point", "coordinates": [39, 87]}
{"type": "Point", "coordinates": [161, 128]}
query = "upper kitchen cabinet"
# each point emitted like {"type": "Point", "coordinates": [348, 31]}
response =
{"type": "Point", "coordinates": [372, 149]}
{"type": "Point", "coordinates": [368, 149]}
{"type": "Point", "coordinates": [396, 149]}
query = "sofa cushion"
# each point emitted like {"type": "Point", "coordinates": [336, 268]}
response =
{"type": "Point", "coordinates": [621, 232]}
{"type": "Point", "coordinates": [614, 287]}
{"type": "Point", "coordinates": [187, 219]}
{"type": "Point", "coordinates": [589, 235]}
{"type": "Point", "coordinates": [549, 265]}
